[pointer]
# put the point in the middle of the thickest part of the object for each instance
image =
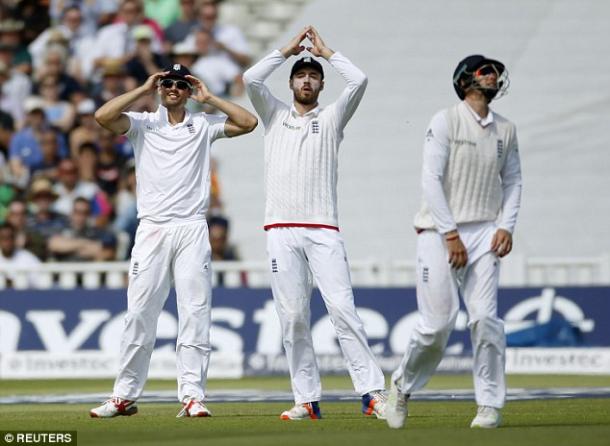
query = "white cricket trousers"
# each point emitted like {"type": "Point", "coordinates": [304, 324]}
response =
{"type": "Point", "coordinates": [162, 254]}
{"type": "Point", "coordinates": [295, 253]}
{"type": "Point", "coordinates": [438, 304]}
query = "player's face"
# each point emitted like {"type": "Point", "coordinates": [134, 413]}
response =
{"type": "Point", "coordinates": [306, 85]}
{"type": "Point", "coordinates": [487, 76]}
{"type": "Point", "coordinates": [174, 92]}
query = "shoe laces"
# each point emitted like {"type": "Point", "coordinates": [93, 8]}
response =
{"type": "Point", "coordinates": [379, 396]}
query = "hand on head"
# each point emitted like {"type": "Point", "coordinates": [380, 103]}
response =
{"type": "Point", "coordinates": [153, 80]}
{"type": "Point", "coordinates": [200, 92]}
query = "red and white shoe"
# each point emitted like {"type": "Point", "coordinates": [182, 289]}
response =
{"type": "Point", "coordinates": [194, 408]}
{"type": "Point", "coordinates": [114, 407]}
{"type": "Point", "coordinates": [303, 412]}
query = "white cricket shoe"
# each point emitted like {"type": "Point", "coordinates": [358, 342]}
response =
{"type": "Point", "coordinates": [302, 412]}
{"type": "Point", "coordinates": [194, 408]}
{"type": "Point", "coordinates": [114, 407]}
{"type": "Point", "coordinates": [396, 408]}
{"type": "Point", "coordinates": [487, 418]}
{"type": "Point", "coordinates": [373, 403]}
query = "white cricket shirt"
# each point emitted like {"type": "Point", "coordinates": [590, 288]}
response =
{"type": "Point", "coordinates": [301, 152]}
{"type": "Point", "coordinates": [471, 171]}
{"type": "Point", "coordinates": [173, 164]}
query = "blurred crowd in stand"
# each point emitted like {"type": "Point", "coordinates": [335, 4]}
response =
{"type": "Point", "coordinates": [67, 186]}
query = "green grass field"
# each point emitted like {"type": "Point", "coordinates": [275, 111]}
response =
{"type": "Point", "coordinates": [538, 422]}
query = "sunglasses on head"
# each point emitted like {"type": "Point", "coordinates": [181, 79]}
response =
{"type": "Point", "coordinates": [487, 69]}
{"type": "Point", "coordinates": [180, 85]}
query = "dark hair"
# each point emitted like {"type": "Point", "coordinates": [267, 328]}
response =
{"type": "Point", "coordinates": [87, 146]}
{"type": "Point", "coordinates": [218, 220]}
{"type": "Point", "coordinates": [10, 227]}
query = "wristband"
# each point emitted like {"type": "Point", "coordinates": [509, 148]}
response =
{"type": "Point", "coordinates": [452, 238]}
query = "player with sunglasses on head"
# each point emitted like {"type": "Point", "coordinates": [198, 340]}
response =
{"type": "Point", "coordinates": [172, 159]}
{"type": "Point", "coordinates": [471, 181]}
{"type": "Point", "coordinates": [303, 240]}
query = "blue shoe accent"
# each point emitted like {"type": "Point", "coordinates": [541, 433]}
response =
{"type": "Point", "coordinates": [367, 404]}
{"type": "Point", "coordinates": [315, 407]}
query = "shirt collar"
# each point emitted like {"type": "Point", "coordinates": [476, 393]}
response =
{"type": "Point", "coordinates": [163, 116]}
{"type": "Point", "coordinates": [313, 112]}
{"type": "Point", "coordinates": [484, 122]}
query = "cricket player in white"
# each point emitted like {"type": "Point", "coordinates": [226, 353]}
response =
{"type": "Point", "coordinates": [471, 181]}
{"type": "Point", "coordinates": [172, 154]}
{"type": "Point", "coordinates": [301, 154]}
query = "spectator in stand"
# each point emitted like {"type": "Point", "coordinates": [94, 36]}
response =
{"type": "Point", "coordinates": [44, 222]}
{"type": "Point", "coordinates": [145, 61]}
{"type": "Point", "coordinates": [182, 27]}
{"type": "Point", "coordinates": [70, 187]}
{"type": "Point", "coordinates": [13, 257]}
{"type": "Point", "coordinates": [18, 217]}
{"type": "Point", "coordinates": [81, 241]}
{"type": "Point", "coordinates": [50, 155]}
{"type": "Point", "coordinates": [222, 76]}
{"type": "Point", "coordinates": [164, 12]}
{"type": "Point", "coordinates": [75, 35]}
{"type": "Point", "coordinates": [116, 41]}
{"type": "Point", "coordinates": [184, 53]}
{"type": "Point", "coordinates": [11, 37]}
{"type": "Point", "coordinates": [87, 129]}
{"type": "Point", "coordinates": [60, 114]}
{"type": "Point", "coordinates": [54, 64]}
{"type": "Point", "coordinates": [113, 82]}
{"type": "Point", "coordinates": [226, 38]}
{"type": "Point", "coordinates": [126, 212]}
{"type": "Point", "coordinates": [35, 16]}
{"type": "Point", "coordinates": [15, 86]}
{"type": "Point", "coordinates": [94, 13]}
{"type": "Point", "coordinates": [86, 162]}
{"type": "Point", "coordinates": [109, 164]}
{"type": "Point", "coordinates": [25, 151]}
{"type": "Point", "coordinates": [221, 250]}
{"type": "Point", "coordinates": [7, 128]}
{"type": "Point", "coordinates": [17, 213]}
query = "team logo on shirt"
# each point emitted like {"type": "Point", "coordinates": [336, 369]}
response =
{"type": "Point", "coordinates": [315, 127]}
{"type": "Point", "coordinates": [190, 127]}
{"type": "Point", "coordinates": [429, 135]}
{"type": "Point", "coordinates": [500, 148]}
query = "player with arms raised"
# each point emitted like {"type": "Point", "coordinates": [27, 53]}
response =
{"type": "Point", "coordinates": [301, 154]}
{"type": "Point", "coordinates": [172, 154]}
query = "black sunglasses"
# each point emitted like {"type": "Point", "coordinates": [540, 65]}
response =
{"type": "Point", "coordinates": [180, 85]}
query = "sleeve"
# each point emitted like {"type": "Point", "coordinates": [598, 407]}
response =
{"type": "Point", "coordinates": [436, 155]}
{"type": "Point", "coordinates": [356, 80]}
{"type": "Point", "coordinates": [263, 101]}
{"type": "Point", "coordinates": [135, 124]}
{"type": "Point", "coordinates": [216, 126]}
{"type": "Point", "coordinates": [511, 186]}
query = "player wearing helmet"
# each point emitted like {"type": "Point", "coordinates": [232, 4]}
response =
{"type": "Point", "coordinates": [471, 181]}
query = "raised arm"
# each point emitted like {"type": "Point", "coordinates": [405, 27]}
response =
{"type": "Point", "coordinates": [110, 115]}
{"type": "Point", "coordinates": [239, 120]}
{"type": "Point", "coordinates": [356, 80]}
{"type": "Point", "coordinates": [262, 99]}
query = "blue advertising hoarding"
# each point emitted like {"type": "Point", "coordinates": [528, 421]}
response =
{"type": "Point", "coordinates": [245, 325]}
